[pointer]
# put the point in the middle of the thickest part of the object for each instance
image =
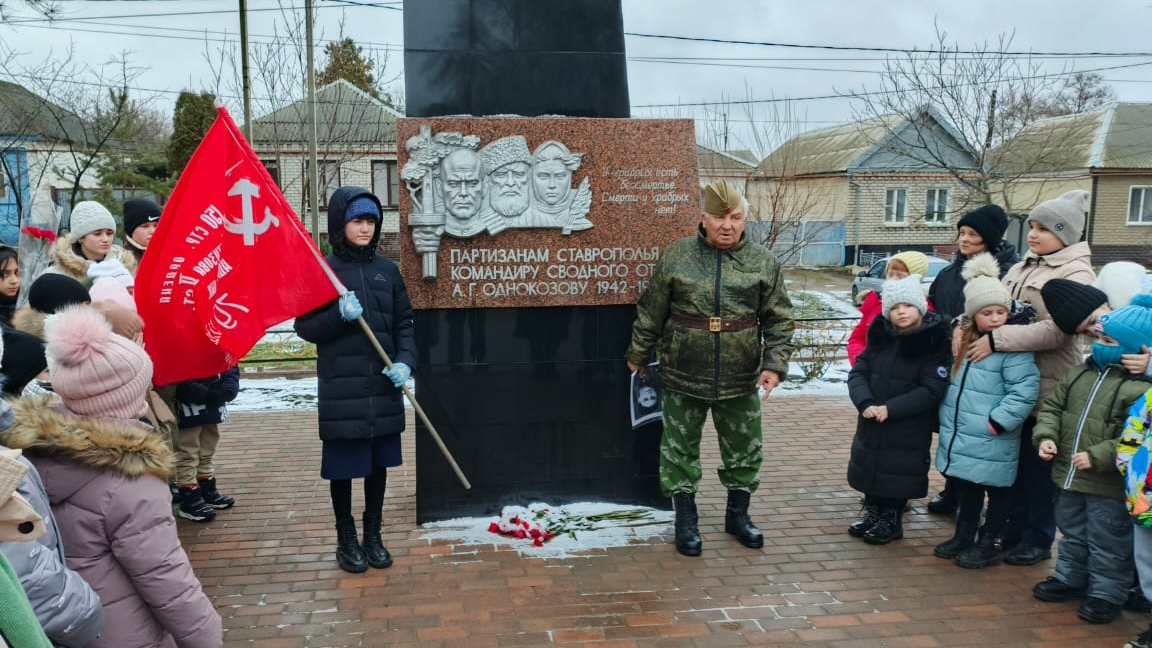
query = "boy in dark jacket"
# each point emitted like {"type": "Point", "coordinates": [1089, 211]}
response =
{"type": "Point", "coordinates": [896, 384]}
{"type": "Point", "coordinates": [1077, 430]}
{"type": "Point", "coordinates": [201, 405]}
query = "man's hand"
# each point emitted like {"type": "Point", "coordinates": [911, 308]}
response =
{"type": "Point", "coordinates": [1082, 461]}
{"type": "Point", "coordinates": [632, 366]}
{"type": "Point", "coordinates": [1048, 450]}
{"type": "Point", "coordinates": [768, 381]}
{"type": "Point", "coordinates": [979, 349]}
{"type": "Point", "coordinates": [878, 412]}
{"type": "Point", "coordinates": [1136, 363]}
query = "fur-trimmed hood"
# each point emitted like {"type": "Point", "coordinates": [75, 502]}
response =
{"type": "Point", "coordinates": [932, 333]}
{"type": "Point", "coordinates": [66, 261]}
{"type": "Point", "coordinates": [128, 448]}
{"type": "Point", "coordinates": [29, 320]}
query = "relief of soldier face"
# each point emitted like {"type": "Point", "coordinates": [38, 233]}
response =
{"type": "Point", "coordinates": [551, 181]}
{"type": "Point", "coordinates": [508, 189]}
{"type": "Point", "coordinates": [461, 183]}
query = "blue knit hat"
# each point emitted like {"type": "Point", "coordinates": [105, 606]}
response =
{"type": "Point", "coordinates": [361, 207]}
{"type": "Point", "coordinates": [1130, 326]}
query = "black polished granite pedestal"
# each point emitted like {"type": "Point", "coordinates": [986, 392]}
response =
{"type": "Point", "coordinates": [533, 404]}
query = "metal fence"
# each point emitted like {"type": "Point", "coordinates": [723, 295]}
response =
{"type": "Point", "coordinates": [280, 347]}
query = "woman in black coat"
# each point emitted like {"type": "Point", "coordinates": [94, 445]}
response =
{"type": "Point", "coordinates": [980, 230]}
{"type": "Point", "coordinates": [361, 405]}
{"type": "Point", "coordinates": [906, 374]}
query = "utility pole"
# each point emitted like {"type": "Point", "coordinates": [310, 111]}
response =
{"type": "Point", "coordinates": [246, 81]}
{"type": "Point", "coordinates": [312, 173]}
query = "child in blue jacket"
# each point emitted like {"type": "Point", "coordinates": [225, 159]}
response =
{"type": "Point", "coordinates": [981, 419]}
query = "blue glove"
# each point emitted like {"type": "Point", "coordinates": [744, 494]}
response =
{"type": "Point", "coordinates": [350, 307]}
{"type": "Point", "coordinates": [398, 374]}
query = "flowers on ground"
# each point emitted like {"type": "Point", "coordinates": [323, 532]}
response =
{"type": "Point", "coordinates": [542, 522]}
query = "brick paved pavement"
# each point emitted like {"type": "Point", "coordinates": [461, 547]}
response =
{"type": "Point", "coordinates": [268, 565]}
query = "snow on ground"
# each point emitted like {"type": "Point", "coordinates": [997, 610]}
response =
{"type": "Point", "coordinates": [463, 533]}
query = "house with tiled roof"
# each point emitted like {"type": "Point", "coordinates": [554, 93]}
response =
{"type": "Point", "coordinates": [36, 138]}
{"type": "Point", "coordinates": [1107, 152]}
{"type": "Point", "coordinates": [733, 166]}
{"type": "Point", "coordinates": [356, 145]}
{"type": "Point", "coordinates": [869, 184]}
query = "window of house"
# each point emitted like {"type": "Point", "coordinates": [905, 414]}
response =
{"type": "Point", "coordinates": [936, 207]}
{"type": "Point", "coordinates": [896, 207]}
{"type": "Point", "coordinates": [329, 178]}
{"type": "Point", "coordinates": [273, 168]}
{"type": "Point", "coordinates": [1140, 206]}
{"type": "Point", "coordinates": [386, 182]}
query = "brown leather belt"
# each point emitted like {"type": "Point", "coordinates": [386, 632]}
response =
{"type": "Point", "coordinates": [715, 324]}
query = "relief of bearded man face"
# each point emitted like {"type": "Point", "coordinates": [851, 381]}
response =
{"type": "Point", "coordinates": [508, 188]}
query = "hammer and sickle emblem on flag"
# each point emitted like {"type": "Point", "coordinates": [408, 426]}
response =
{"type": "Point", "coordinates": [247, 190]}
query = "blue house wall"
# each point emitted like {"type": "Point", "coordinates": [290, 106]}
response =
{"type": "Point", "coordinates": [16, 163]}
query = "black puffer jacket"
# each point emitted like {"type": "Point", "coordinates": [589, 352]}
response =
{"type": "Point", "coordinates": [947, 291]}
{"type": "Point", "coordinates": [355, 400]}
{"type": "Point", "coordinates": [907, 373]}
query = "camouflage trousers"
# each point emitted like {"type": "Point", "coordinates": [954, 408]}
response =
{"type": "Point", "coordinates": [738, 429]}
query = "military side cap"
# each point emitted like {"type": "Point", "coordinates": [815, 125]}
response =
{"type": "Point", "coordinates": [721, 197]}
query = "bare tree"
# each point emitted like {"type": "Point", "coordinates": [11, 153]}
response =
{"type": "Point", "coordinates": [983, 95]}
{"type": "Point", "coordinates": [348, 132]}
{"type": "Point", "coordinates": [791, 208]}
{"type": "Point", "coordinates": [83, 105]}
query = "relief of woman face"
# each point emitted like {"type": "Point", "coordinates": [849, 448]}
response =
{"type": "Point", "coordinates": [551, 181]}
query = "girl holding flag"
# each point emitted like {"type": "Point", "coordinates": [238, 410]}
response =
{"type": "Point", "coordinates": [361, 405]}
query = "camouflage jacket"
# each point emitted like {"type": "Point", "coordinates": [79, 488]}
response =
{"type": "Point", "coordinates": [695, 279]}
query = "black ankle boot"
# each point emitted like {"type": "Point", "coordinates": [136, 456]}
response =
{"type": "Point", "coordinates": [867, 520]}
{"type": "Point", "coordinates": [687, 534]}
{"type": "Point", "coordinates": [964, 538]}
{"type": "Point", "coordinates": [984, 553]}
{"type": "Point", "coordinates": [888, 527]}
{"type": "Point", "coordinates": [349, 553]}
{"type": "Point", "coordinates": [737, 522]}
{"type": "Point", "coordinates": [378, 556]}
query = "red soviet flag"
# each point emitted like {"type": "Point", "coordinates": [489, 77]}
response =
{"type": "Point", "coordinates": [229, 260]}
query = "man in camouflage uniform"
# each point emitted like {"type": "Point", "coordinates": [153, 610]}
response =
{"type": "Point", "coordinates": [718, 318]}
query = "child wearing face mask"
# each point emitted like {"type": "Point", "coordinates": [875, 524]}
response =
{"type": "Point", "coordinates": [980, 420]}
{"type": "Point", "coordinates": [1077, 432]}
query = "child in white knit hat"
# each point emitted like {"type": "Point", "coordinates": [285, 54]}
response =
{"type": "Point", "coordinates": [90, 241]}
{"type": "Point", "coordinates": [896, 385]}
{"type": "Point", "coordinates": [980, 421]}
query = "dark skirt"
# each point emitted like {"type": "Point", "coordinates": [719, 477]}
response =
{"type": "Point", "coordinates": [356, 458]}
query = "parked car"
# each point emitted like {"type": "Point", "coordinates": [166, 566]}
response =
{"type": "Point", "coordinates": [873, 277]}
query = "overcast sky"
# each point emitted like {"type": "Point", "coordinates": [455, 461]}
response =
{"type": "Point", "coordinates": [170, 45]}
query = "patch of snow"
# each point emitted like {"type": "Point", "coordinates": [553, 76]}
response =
{"type": "Point", "coordinates": [473, 532]}
{"type": "Point", "coordinates": [264, 394]}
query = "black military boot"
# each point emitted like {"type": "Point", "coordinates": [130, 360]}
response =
{"type": "Point", "coordinates": [687, 534]}
{"type": "Point", "coordinates": [737, 522]}
{"type": "Point", "coordinates": [378, 556]}
{"type": "Point", "coordinates": [349, 553]}
{"type": "Point", "coordinates": [984, 553]}
{"type": "Point", "coordinates": [867, 520]}
{"type": "Point", "coordinates": [888, 527]}
{"type": "Point", "coordinates": [964, 538]}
